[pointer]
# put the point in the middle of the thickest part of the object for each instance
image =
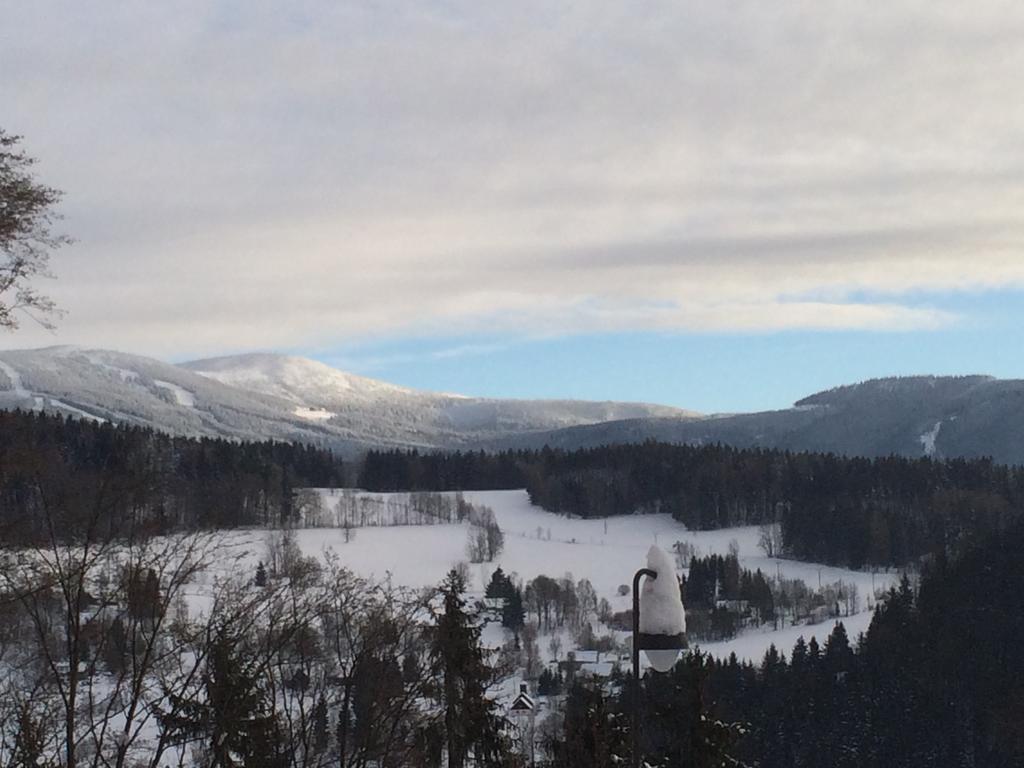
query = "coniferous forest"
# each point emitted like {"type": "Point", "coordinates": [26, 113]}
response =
{"type": "Point", "coordinates": [126, 477]}
{"type": "Point", "coordinates": [845, 511]}
{"type": "Point", "coordinates": [936, 681]}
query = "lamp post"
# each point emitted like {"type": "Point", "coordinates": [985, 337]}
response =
{"type": "Point", "coordinates": [662, 632]}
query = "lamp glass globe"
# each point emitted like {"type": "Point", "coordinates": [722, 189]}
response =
{"type": "Point", "coordinates": [662, 660]}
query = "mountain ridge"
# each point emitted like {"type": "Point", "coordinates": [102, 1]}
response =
{"type": "Point", "coordinates": [285, 397]}
{"type": "Point", "coordinates": [938, 416]}
{"type": "Point", "coordinates": [268, 396]}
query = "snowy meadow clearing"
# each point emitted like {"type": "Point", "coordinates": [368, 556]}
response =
{"type": "Point", "coordinates": [607, 552]}
{"type": "Point", "coordinates": [178, 601]}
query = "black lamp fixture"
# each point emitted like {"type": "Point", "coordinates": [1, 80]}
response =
{"type": "Point", "coordinates": [659, 625]}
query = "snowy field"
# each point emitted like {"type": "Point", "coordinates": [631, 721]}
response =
{"type": "Point", "coordinates": [605, 551]}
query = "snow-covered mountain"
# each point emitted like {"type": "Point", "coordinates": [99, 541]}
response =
{"type": "Point", "coordinates": [296, 378]}
{"type": "Point", "coordinates": [404, 416]}
{"type": "Point", "coordinates": [280, 397]}
{"type": "Point", "coordinates": [939, 416]}
{"type": "Point", "coordinates": [261, 396]}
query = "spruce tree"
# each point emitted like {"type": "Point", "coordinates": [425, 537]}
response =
{"type": "Point", "coordinates": [592, 732]}
{"type": "Point", "coordinates": [471, 726]}
{"type": "Point", "coordinates": [234, 713]}
{"type": "Point", "coordinates": [513, 615]}
{"type": "Point", "coordinates": [498, 586]}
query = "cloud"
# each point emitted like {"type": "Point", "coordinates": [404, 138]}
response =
{"type": "Point", "coordinates": [249, 175]}
{"type": "Point", "coordinates": [360, 361]}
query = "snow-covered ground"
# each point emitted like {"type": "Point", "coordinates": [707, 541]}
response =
{"type": "Point", "coordinates": [928, 439]}
{"type": "Point", "coordinates": [605, 551]}
{"type": "Point", "coordinates": [17, 387]}
{"type": "Point", "coordinates": [313, 414]}
{"type": "Point", "coordinates": [55, 403]}
{"type": "Point", "coordinates": [181, 395]}
{"type": "Point", "coordinates": [751, 646]}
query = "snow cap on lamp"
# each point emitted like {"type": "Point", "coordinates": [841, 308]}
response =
{"type": "Point", "coordinates": [661, 612]}
{"type": "Point", "coordinates": [661, 606]}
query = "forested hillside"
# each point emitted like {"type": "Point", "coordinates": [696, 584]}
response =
{"type": "Point", "coordinates": [913, 416]}
{"type": "Point", "coordinates": [58, 474]}
{"type": "Point", "coordinates": [833, 509]}
{"type": "Point", "coordinates": [845, 511]}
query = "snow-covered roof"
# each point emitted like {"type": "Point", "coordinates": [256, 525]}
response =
{"type": "Point", "coordinates": [523, 703]}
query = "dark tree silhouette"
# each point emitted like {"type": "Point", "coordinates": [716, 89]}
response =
{"type": "Point", "coordinates": [471, 725]}
{"type": "Point", "coordinates": [26, 238]}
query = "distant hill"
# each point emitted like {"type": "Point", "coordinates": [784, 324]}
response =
{"type": "Point", "coordinates": [269, 396]}
{"type": "Point", "coordinates": [278, 397]}
{"type": "Point", "coordinates": [945, 417]}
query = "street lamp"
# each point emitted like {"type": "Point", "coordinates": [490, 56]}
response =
{"type": "Point", "coordinates": [659, 625]}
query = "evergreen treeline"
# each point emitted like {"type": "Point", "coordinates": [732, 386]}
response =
{"type": "Point", "coordinates": [833, 509]}
{"type": "Point", "coordinates": [936, 681]}
{"type": "Point", "coordinates": [719, 595]}
{"type": "Point", "coordinates": [677, 728]}
{"type": "Point", "coordinates": [59, 474]}
{"type": "Point", "coordinates": [719, 577]}
{"type": "Point", "coordinates": [399, 470]}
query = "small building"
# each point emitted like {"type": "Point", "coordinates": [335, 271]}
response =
{"type": "Point", "coordinates": [523, 703]}
{"type": "Point", "coordinates": [523, 713]}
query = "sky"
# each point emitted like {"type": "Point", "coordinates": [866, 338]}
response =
{"type": "Point", "coordinates": [719, 206]}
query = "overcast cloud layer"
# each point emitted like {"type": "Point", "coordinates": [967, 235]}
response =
{"type": "Point", "coordinates": [269, 175]}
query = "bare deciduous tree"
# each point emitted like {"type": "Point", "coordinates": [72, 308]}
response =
{"type": "Point", "coordinates": [99, 653]}
{"type": "Point", "coordinates": [769, 539]}
{"type": "Point", "coordinates": [26, 239]}
{"type": "Point", "coordinates": [485, 539]}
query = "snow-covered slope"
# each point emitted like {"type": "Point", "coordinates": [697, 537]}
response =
{"type": "Point", "coordinates": [113, 386]}
{"type": "Point", "coordinates": [605, 551]}
{"type": "Point", "coordinates": [937, 416]}
{"type": "Point", "coordinates": [322, 393]}
{"type": "Point", "coordinates": [261, 396]}
{"type": "Point", "coordinates": [278, 397]}
{"type": "Point", "coordinates": [295, 378]}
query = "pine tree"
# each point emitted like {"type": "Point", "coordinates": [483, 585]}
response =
{"type": "Point", "coordinates": [592, 735]}
{"type": "Point", "coordinates": [233, 713]}
{"type": "Point", "coordinates": [495, 588]}
{"type": "Point", "coordinates": [513, 615]}
{"type": "Point", "coordinates": [471, 726]}
{"type": "Point", "coordinates": [679, 726]}
{"type": "Point", "coordinates": [838, 654]}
